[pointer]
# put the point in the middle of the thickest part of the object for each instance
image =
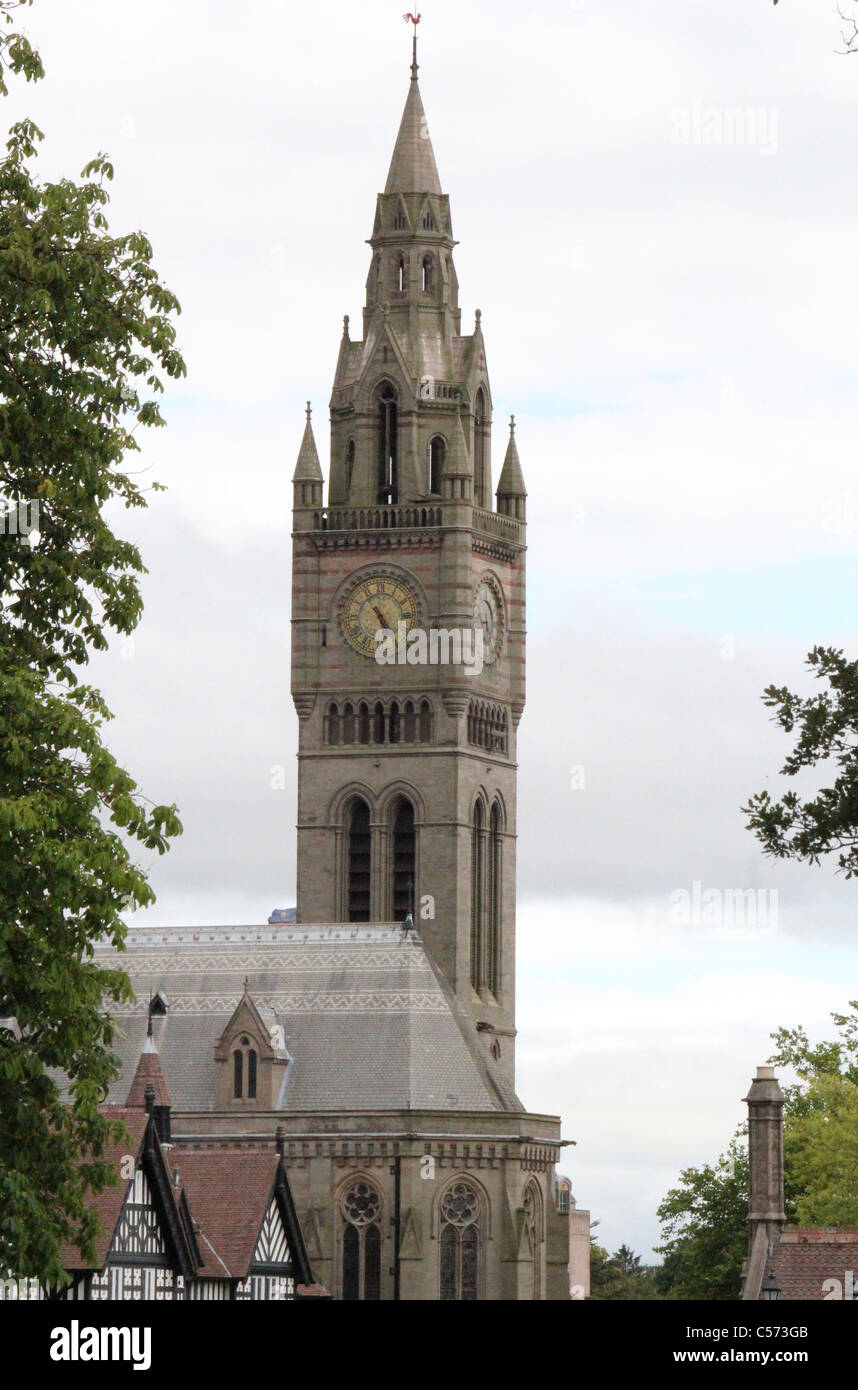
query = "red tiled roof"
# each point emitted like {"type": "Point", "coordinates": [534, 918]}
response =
{"type": "Point", "coordinates": [228, 1191]}
{"type": "Point", "coordinates": [108, 1204]}
{"type": "Point", "coordinates": [148, 1073]}
{"type": "Point", "coordinates": [806, 1256]}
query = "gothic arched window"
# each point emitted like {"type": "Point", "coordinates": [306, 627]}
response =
{"type": "Point", "coordinates": [437, 455]}
{"type": "Point", "coordinates": [388, 446]}
{"type": "Point", "coordinates": [400, 275]}
{"type": "Point", "coordinates": [378, 724]}
{"type": "Point", "coordinates": [363, 723]}
{"type": "Point", "coordinates": [394, 726]}
{"type": "Point", "coordinates": [404, 859]}
{"type": "Point", "coordinates": [495, 902]}
{"type": "Point", "coordinates": [348, 723]}
{"type": "Point", "coordinates": [333, 725]}
{"type": "Point", "coordinates": [426, 274]}
{"type": "Point", "coordinates": [360, 1210]}
{"type": "Point", "coordinates": [244, 1050]}
{"type": "Point", "coordinates": [350, 466]}
{"type": "Point", "coordinates": [461, 1236]}
{"type": "Point", "coordinates": [534, 1224]}
{"type": "Point", "coordinates": [478, 882]}
{"type": "Point", "coordinates": [425, 722]}
{"type": "Point", "coordinates": [480, 489]}
{"type": "Point", "coordinates": [358, 859]}
{"type": "Point", "coordinates": [409, 726]}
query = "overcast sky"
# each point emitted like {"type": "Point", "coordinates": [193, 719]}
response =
{"type": "Point", "coordinates": [670, 312]}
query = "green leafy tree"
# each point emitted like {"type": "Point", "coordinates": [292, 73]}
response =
{"type": "Point", "coordinates": [826, 729]}
{"type": "Point", "coordinates": [821, 1128]}
{"type": "Point", "coordinates": [704, 1221]}
{"type": "Point", "coordinates": [86, 333]}
{"type": "Point", "coordinates": [620, 1276]}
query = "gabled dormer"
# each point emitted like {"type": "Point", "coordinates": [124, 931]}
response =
{"type": "Point", "coordinates": [251, 1059]}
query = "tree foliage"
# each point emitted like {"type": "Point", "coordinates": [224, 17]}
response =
{"type": "Point", "coordinates": [821, 1129]}
{"type": "Point", "coordinates": [619, 1277]}
{"type": "Point", "coordinates": [826, 729]}
{"type": "Point", "coordinates": [86, 335]}
{"type": "Point", "coordinates": [704, 1221]}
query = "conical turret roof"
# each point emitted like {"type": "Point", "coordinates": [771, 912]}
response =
{"type": "Point", "coordinates": [512, 479]}
{"type": "Point", "coordinates": [148, 1073]}
{"type": "Point", "coordinates": [308, 468]}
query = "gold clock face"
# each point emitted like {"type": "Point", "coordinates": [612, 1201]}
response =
{"type": "Point", "coordinates": [380, 602]}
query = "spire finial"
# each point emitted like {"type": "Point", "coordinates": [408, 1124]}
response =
{"type": "Point", "coordinates": [415, 20]}
{"type": "Point", "coordinates": [309, 412]}
{"type": "Point", "coordinates": [346, 322]}
{"type": "Point", "coordinates": [512, 424]}
{"type": "Point", "coordinates": [479, 317]}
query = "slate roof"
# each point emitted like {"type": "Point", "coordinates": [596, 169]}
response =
{"type": "Point", "coordinates": [370, 1024]}
{"type": "Point", "coordinates": [805, 1257]}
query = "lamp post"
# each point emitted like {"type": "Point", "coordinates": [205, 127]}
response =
{"type": "Point", "coordinates": [771, 1290]}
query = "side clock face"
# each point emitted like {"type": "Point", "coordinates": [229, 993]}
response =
{"type": "Point", "coordinates": [488, 615]}
{"type": "Point", "coordinates": [381, 601]}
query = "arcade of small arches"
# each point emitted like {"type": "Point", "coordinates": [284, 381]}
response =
{"type": "Point", "coordinates": [488, 727]}
{"type": "Point", "coordinates": [388, 722]}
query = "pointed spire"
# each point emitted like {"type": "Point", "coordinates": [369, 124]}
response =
{"type": "Point", "coordinates": [511, 479]}
{"type": "Point", "coordinates": [308, 469]}
{"type": "Point", "coordinates": [148, 1077]}
{"type": "Point", "coordinates": [413, 168]}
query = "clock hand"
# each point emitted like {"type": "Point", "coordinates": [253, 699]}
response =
{"type": "Point", "coordinates": [381, 618]}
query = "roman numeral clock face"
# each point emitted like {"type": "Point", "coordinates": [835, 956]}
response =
{"type": "Point", "coordinates": [377, 603]}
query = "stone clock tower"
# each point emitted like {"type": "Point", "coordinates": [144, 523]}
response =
{"type": "Point", "coordinates": [407, 755]}
{"type": "Point", "coordinates": [377, 1059]}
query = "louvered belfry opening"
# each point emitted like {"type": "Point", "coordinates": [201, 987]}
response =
{"type": "Point", "coordinates": [359, 863]}
{"type": "Point", "coordinates": [404, 860]}
{"type": "Point", "coordinates": [388, 447]}
{"type": "Point", "coordinates": [437, 457]}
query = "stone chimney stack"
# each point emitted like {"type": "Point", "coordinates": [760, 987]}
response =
{"type": "Point", "coordinates": [765, 1102]}
{"type": "Point", "coordinates": [766, 1216]}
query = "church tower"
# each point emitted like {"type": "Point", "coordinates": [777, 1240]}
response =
{"type": "Point", "coordinates": [408, 616]}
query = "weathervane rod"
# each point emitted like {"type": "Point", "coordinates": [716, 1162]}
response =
{"type": "Point", "coordinates": [415, 20]}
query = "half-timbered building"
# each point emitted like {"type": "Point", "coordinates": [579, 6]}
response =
{"type": "Point", "coordinates": [181, 1225]}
